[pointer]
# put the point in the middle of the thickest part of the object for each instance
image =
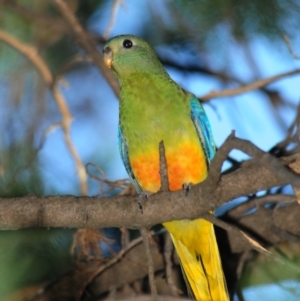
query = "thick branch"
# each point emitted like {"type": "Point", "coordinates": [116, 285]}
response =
{"type": "Point", "coordinates": [261, 173]}
{"type": "Point", "coordinates": [263, 225]}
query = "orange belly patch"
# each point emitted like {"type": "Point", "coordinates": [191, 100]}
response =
{"type": "Point", "coordinates": [186, 164]}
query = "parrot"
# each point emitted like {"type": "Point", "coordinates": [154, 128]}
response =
{"type": "Point", "coordinates": [154, 108]}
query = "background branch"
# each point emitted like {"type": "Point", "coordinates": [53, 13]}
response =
{"type": "Point", "coordinates": [84, 40]}
{"type": "Point", "coordinates": [250, 87]}
{"type": "Point", "coordinates": [32, 55]}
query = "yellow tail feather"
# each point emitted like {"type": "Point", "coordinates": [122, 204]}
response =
{"type": "Point", "coordinates": [197, 248]}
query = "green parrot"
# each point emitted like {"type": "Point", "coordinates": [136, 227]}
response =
{"type": "Point", "coordinates": [154, 108]}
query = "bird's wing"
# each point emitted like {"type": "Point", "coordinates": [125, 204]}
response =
{"type": "Point", "coordinates": [124, 154]}
{"type": "Point", "coordinates": [203, 128]}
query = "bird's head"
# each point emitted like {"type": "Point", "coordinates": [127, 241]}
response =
{"type": "Point", "coordinates": [128, 54]}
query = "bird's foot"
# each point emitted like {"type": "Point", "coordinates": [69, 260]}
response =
{"type": "Point", "coordinates": [187, 187]}
{"type": "Point", "coordinates": [144, 195]}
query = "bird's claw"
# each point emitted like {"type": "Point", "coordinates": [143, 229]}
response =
{"type": "Point", "coordinates": [187, 187]}
{"type": "Point", "coordinates": [144, 195]}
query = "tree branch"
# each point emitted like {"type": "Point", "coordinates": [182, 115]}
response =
{"type": "Point", "coordinates": [253, 86]}
{"type": "Point", "coordinates": [153, 289]}
{"type": "Point", "coordinates": [115, 7]}
{"type": "Point", "coordinates": [260, 84]}
{"type": "Point", "coordinates": [94, 212]}
{"type": "Point", "coordinates": [86, 43]}
{"type": "Point", "coordinates": [32, 55]}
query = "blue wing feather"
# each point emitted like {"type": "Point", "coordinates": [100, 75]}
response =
{"type": "Point", "coordinates": [124, 154]}
{"type": "Point", "coordinates": [203, 128]}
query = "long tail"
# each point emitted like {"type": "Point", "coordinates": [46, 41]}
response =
{"type": "Point", "coordinates": [197, 248]}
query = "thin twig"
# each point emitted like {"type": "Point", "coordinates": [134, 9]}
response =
{"type": "Point", "coordinates": [163, 168]}
{"type": "Point", "coordinates": [144, 233]}
{"type": "Point", "coordinates": [246, 256]}
{"type": "Point", "coordinates": [66, 125]}
{"type": "Point", "coordinates": [32, 55]}
{"type": "Point", "coordinates": [90, 273]}
{"type": "Point", "coordinates": [28, 163]}
{"type": "Point", "coordinates": [253, 243]}
{"type": "Point", "coordinates": [286, 235]}
{"type": "Point", "coordinates": [112, 20]}
{"type": "Point", "coordinates": [265, 159]}
{"type": "Point", "coordinates": [77, 59]}
{"type": "Point", "coordinates": [289, 46]}
{"type": "Point", "coordinates": [86, 43]}
{"type": "Point", "coordinates": [115, 259]}
{"type": "Point", "coordinates": [255, 203]}
{"type": "Point", "coordinates": [123, 184]}
{"type": "Point", "coordinates": [168, 248]}
{"type": "Point", "coordinates": [253, 86]}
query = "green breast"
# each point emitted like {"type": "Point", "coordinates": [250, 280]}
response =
{"type": "Point", "coordinates": [154, 108]}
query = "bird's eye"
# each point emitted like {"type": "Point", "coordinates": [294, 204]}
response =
{"type": "Point", "coordinates": [127, 44]}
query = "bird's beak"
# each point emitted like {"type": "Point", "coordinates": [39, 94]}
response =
{"type": "Point", "coordinates": [107, 56]}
